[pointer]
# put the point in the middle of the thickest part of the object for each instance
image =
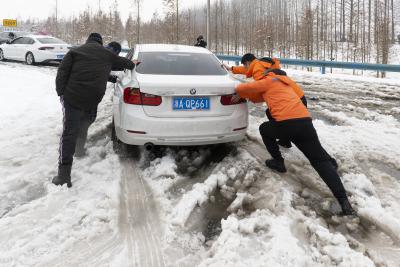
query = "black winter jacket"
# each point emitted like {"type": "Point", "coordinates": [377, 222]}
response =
{"type": "Point", "coordinates": [82, 75]}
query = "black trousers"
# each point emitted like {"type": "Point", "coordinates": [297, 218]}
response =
{"type": "Point", "coordinates": [76, 123]}
{"type": "Point", "coordinates": [303, 134]}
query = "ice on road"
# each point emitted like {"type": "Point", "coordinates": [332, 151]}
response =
{"type": "Point", "coordinates": [204, 206]}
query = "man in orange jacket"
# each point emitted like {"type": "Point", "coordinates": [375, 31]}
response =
{"type": "Point", "coordinates": [299, 92]}
{"type": "Point", "coordinates": [292, 121]}
{"type": "Point", "coordinates": [253, 67]}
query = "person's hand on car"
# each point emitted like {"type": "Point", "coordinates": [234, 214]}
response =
{"type": "Point", "coordinates": [228, 68]}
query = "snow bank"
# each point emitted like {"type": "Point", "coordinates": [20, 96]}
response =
{"type": "Point", "coordinates": [279, 235]}
{"type": "Point", "coordinates": [40, 222]}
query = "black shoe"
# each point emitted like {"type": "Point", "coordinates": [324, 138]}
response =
{"type": "Point", "coordinates": [276, 165]}
{"type": "Point", "coordinates": [347, 209]}
{"type": "Point", "coordinates": [334, 163]}
{"type": "Point", "coordinates": [64, 176]}
{"type": "Point", "coordinates": [285, 143]}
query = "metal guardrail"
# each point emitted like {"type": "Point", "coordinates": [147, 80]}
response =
{"type": "Point", "coordinates": [125, 50]}
{"type": "Point", "coordinates": [326, 64]}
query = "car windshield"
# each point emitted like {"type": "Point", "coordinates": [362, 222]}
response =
{"type": "Point", "coordinates": [176, 63]}
{"type": "Point", "coordinates": [48, 40]}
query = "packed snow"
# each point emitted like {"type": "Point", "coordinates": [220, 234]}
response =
{"type": "Point", "coordinates": [199, 206]}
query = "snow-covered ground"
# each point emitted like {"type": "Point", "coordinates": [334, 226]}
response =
{"type": "Point", "coordinates": [201, 206]}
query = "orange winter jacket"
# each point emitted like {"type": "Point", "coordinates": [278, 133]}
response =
{"type": "Point", "coordinates": [283, 103]}
{"type": "Point", "coordinates": [277, 63]}
{"type": "Point", "coordinates": [296, 88]}
{"type": "Point", "coordinates": [256, 69]}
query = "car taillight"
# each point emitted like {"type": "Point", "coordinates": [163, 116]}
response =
{"type": "Point", "coordinates": [46, 48]}
{"type": "Point", "coordinates": [133, 96]}
{"type": "Point", "coordinates": [233, 99]}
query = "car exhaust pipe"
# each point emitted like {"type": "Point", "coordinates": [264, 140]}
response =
{"type": "Point", "coordinates": [149, 146]}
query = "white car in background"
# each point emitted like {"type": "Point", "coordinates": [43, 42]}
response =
{"type": "Point", "coordinates": [177, 96]}
{"type": "Point", "coordinates": [34, 49]}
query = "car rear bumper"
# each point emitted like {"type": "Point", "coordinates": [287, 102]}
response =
{"type": "Point", "coordinates": [140, 140]}
{"type": "Point", "coordinates": [44, 56]}
{"type": "Point", "coordinates": [181, 131]}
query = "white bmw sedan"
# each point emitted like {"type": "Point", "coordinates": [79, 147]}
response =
{"type": "Point", "coordinates": [177, 96]}
{"type": "Point", "coordinates": [34, 49]}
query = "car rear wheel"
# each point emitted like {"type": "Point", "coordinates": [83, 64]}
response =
{"type": "Point", "coordinates": [2, 58]}
{"type": "Point", "coordinates": [114, 139]}
{"type": "Point", "coordinates": [124, 150]}
{"type": "Point", "coordinates": [30, 59]}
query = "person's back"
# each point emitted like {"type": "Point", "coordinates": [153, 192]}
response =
{"type": "Point", "coordinates": [281, 99]}
{"type": "Point", "coordinates": [83, 75]}
{"type": "Point", "coordinates": [89, 74]}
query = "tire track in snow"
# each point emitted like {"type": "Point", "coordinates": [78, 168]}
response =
{"type": "Point", "coordinates": [139, 230]}
{"type": "Point", "coordinates": [139, 222]}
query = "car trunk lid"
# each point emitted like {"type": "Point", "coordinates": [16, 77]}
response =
{"type": "Point", "coordinates": [172, 87]}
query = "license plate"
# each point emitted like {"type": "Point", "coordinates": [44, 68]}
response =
{"type": "Point", "coordinates": [60, 56]}
{"type": "Point", "coordinates": [191, 103]}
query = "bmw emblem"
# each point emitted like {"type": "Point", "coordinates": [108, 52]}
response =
{"type": "Point", "coordinates": [193, 91]}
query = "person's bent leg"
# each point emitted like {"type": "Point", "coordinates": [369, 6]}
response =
{"type": "Point", "coordinates": [321, 162]}
{"type": "Point", "coordinates": [87, 118]}
{"type": "Point", "coordinates": [270, 132]}
{"type": "Point", "coordinates": [71, 123]}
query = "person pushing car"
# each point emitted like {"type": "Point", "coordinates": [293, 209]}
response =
{"type": "Point", "coordinates": [253, 67]}
{"type": "Point", "coordinates": [81, 84]}
{"type": "Point", "coordinates": [258, 69]}
{"type": "Point", "coordinates": [292, 121]}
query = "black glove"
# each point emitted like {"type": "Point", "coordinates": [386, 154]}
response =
{"type": "Point", "coordinates": [113, 78]}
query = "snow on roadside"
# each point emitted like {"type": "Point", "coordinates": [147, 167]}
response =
{"type": "Point", "coordinates": [280, 236]}
{"type": "Point", "coordinates": [201, 192]}
{"type": "Point", "coordinates": [38, 221]}
{"type": "Point", "coordinates": [261, 219]}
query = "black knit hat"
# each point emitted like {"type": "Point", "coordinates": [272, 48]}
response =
{"type": "Point", "coordinates": [115, 47]}
{"type": "Point", "coordinates": [94, 36]}
{"type": "Point", "coordinates": [248, 58]}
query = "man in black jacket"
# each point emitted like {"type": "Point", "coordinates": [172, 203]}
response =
{"type": "Point", "coordinates": [201, 42]}
{"type": "Point", "coordinates": [81, 84]}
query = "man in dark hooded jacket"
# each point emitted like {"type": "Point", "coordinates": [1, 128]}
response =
{"type": "Point", "coordinates": [201, 42]}
{"type": "Point", "coordinates": [81, 84]}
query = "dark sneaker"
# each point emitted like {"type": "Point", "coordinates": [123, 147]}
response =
{"type": "Point", "coordinates": [64, 176]}
{"type": "Point", "coordinates": [347, 209]}
{"type": "Point", "coordinates": [276, 165]}
{"type": "Point", "coordinates": [285, 143]}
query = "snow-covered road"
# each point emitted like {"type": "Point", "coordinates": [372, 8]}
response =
{"type": "Point", "coordinates": [204, 206]}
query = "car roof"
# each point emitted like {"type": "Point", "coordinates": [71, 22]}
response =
{"type": "Point", "coordinates": [172, 48]}
{"type": "Point", "coordinates": [8, 31]}
{"type": "Point", "coordinates": [39, 36]}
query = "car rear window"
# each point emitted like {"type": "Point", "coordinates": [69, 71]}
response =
{"type": "Point", "coordinates": [50, 41]}
{"type": "Point", "coordinates": [177, 63]}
